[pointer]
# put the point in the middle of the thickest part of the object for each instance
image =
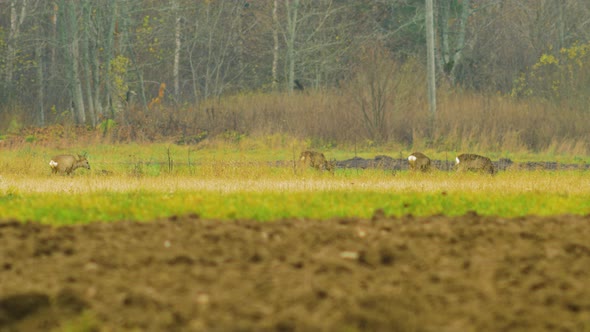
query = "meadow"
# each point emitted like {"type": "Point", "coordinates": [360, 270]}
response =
{"type": "Point", "coordinates": [218, 236]}
{"type": "Point", "coordinates": [259, 182]}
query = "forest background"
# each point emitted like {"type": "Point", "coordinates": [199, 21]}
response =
{"type": "Point", "coordinates": [511, 75]}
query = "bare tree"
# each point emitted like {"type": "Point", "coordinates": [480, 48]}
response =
{"type": "Point", "coordinates": [372, 89]}
{"type": "Point", "coordinates": [213, 50]}
{"type": "Point", "coordinates": [40, 84]}
{"type": "Point", "coordinates": [85, 46]}
{"type": "Point", "coordinates": [177, 47]}
{"type": "Point", "coordinates": [452, 42]}
{"type": "Point", "coordinates": [17, 17]}
{"type": "Point", "coordinates": [430, 65]}
{"type": "Point", "coordinates": [72, 53]}
{"type": "Point", "coordinates": [292, 13]}
{"type": "Point", "coordinates": [318, 36]}
{"type": "Point", "coordinates": [275, 48]}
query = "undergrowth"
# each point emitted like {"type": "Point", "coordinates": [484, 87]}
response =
{"type": "Point", "coordinates": [327, 120]}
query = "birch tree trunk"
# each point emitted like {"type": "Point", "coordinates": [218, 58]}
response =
{"type": "Point", "coordinates": [41, 83]}
{"type": "Point", "coordinates": [292, 8]}
{"type": "Point", "coordinates": [275, 50]}
{"type": "Point", "coordinates": [85, 40]}
{"type": "Point", "coordinates": [73, 52]}
{"type": "Point", "coordinates": [53, 44]}
{"type": "Point", "coordinates": [109, 36]}
{"type": "Point", "coordinates": [430, 69]}
{"type": "Point", "coordinates": [177, 46]}
{"type": "Point", "coordinates": [193, 63]}
{"type": "Point", "coordinates": [209, 54]}
{"type": "Point", "coordinates": [93, 54]}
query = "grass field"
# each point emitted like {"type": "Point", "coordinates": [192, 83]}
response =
{"type": "Point", "coordinates": [148, 182]}
{"type": "Point", "coordinates": [349, 266]}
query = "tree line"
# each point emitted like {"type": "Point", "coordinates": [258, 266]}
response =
{"type": "Point", "coordinates": [88, 60]}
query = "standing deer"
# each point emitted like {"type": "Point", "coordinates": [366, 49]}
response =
{"type": "Point", "coordinates": [419, 162]}
{"type": "Point", "coordinates": [67, 163]}
{"type": "Point", "coordinates": [474, 162]}
{"type": "Point", "coordinates": [316, 160]}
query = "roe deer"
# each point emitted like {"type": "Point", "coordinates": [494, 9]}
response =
{"type": "Point", "coordinates": [316, 160]}
{"type": "Point", "coordinates": [67, 163]}
{"type": "Point", "coordinates": [474, 162]}
{"type": "Point", "coordinates": [419, 162]}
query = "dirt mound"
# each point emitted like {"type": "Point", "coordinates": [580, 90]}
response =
{"type": "Point", "coordinates": [469, 273]}
{"type": "Point", "coordinates": [503, 164]}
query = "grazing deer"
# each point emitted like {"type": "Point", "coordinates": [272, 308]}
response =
{"type": "Point", "coordinates": [316, 160]}
{"type": "Point", "coordinates": [66, 163]}
{"type": "Point", "coordinates": [419, 162]}
{"type": "Point", "coordinates": [474, 162]}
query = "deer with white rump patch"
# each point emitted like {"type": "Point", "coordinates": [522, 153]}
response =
{"type": "Point", "coordinates": [67, 163]}
{"type": "Point", "coordinates": [474, 162]}
{"type": "Point", "coordinates": [419, 162]}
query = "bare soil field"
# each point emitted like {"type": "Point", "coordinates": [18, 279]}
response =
{"type": "Point", "coordinates": [469, 273]}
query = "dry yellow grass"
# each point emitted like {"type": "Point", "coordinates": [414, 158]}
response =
{"type": "Point", "coordinates": [509, 183]}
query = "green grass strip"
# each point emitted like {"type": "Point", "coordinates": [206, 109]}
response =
{"type": "Point", "coordinates": [66, 209]}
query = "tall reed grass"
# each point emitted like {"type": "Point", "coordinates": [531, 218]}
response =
{"type": "Point", "coordinates": [332, 118]}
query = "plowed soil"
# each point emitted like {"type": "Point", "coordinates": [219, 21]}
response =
{"type": "Point", "coordinates": [469, 273]}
